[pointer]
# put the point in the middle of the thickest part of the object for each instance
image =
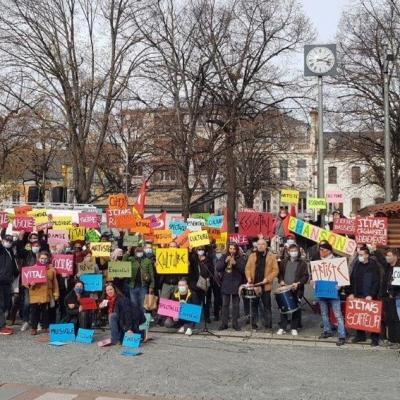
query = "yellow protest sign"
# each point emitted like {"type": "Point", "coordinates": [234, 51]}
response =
{"type": "Point", "coordinates": [76, 233]}
{"type": "Point", "coordinates": [62, 222]}
{"type": "Point", "coordinates": [86, 267]}
{"type": "Point", "coordinates": [289, 196]}
{"type": "Point", "coordinates": [172, 261]}
{"type": "Point", "coordinates": [222, 240]}
{"type": "Point", "coordinates": [39, 215]}
{"type": "Point", "coordinates": [100, 249]}
{"type": "Point", "coordinates": [198, 239]}
{"type": "Point", "coordinates": [162, 236]}
{"type": "Point", "coordinates": [314, 203]}
{"type": "Point", "coordinates": [119, 269]}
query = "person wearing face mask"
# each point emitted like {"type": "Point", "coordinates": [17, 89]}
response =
{"type": "Point", "coordinates": [42, 296]}
{"type": "Point", "coordinates": [142, 278]}
{"type": "Point", "coordinates": [365, 283]}
{"type": "Point", "coordinates": [231, 267]}
{"type": "Point", "coordinates": [8, 272]}
{"type": "Point", "coordinates": [292, 272]}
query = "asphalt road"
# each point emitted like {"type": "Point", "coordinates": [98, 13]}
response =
{"type": "Point", "coordinates": [206, 368]}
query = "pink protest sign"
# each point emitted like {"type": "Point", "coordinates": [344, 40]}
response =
{"type": "Point", "coordinates": [169, 308]}
{"type": "Point", "coordinates": [23, 224]}
{"type": "Point", "coordinates": [3, 220]}
{"type": "Point", "coordinates": [57, 237]}
{"type": "Point", "coordinates": [334, 196]}
{"type": "Point", "coordinates": [88, 220]}
{"type": "Point", "coordinates": [238, 239]}
{"type": "Point", "coordinates": [63, 263]}
{"type": "Point", "coordinates": [34, 274]}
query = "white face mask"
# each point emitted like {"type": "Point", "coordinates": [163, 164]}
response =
{"type": "Point", "coordinates": [139, 255]}
{"type": "Point", "coordinates": [290, 242]}
{"type": "Point", "coordinates": [200, 252]}
{"type": "Point", "coordinates": [7, 244]}
{"type": "Point", "coordinates": [35, 250]}
{"type": "Point", "coordinates": [182, 289]}
{"type": "Point", "coordinates": [294, 254]}
{"type": "Point", "coordinates": [218, 255]}
{"type": "Point", "coordinates": [361, 258]}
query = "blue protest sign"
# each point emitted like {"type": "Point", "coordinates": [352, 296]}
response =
{"type": "Point", "coordinates": [62, 333]}
{"type": "Point", "coordinates": [85, 336]}
{"type": "Point", "coordinates": [92, 282]}
{"type": "Point", "coordinates": [177, 227]}
{"type": "Point", "coordinates": [132, 340]}
{"type": "Point", "coordinates": [131, 353]}
{"type": "Point", "coordinates": [190, 312]}
{"type": "Point", "coordinates": [215, 221]}
{"type": "Point", "coordinates": [146, 325]}
{"type": "Point", "coordinates": [326, 290]}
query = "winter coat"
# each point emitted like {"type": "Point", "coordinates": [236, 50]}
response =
{"type": "Point", "coordinates": [270, 272]}
{"type": "Point", "coordinates": [232, 277]}
{"type": "Point", "coordinates": [8, 265]}
{"type": "Point", "coordinates": [41, 293]}
{"type": "Point", "coordinates": [301, 275]}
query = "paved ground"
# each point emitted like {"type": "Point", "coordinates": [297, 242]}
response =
{"type": "Point", "coordinates": [176, 367]}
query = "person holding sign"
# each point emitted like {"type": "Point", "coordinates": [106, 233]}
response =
{"type": "Point", "coordinates": [365, 283]}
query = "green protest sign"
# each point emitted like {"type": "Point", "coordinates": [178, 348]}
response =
{"type": "Point", "coordinates": [314, 203]}
{"type": "Point", "coordinates": [119, 269]}
{"type": "Point", "coordinates": [93, 236]}
{"type": "Point", "coordinates": [204, 216]}
{"type": "Point", "coordinates": [132, 240]}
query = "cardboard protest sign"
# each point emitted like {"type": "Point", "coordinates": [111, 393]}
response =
{"type": "Point", "coordinates": [22, 211]}
{"type": "Point", "coordinates": [254, 223]}
{"type": "Point", "coordinates": [3, 219]}
{"type": "Point", "coordinates": [92, 282]}
{"type": "Point", "coordinates": [195, 224]}
{"type": "Point", "coordinates": [63, 263]}
{"type": "Point", "coordinates": [204, 216]}
{"type": "Point", "coordinates": [214, 233]}
{"type": "Point", "coordinates": [363, 315]}
{"type": "Point", "coordinates": [172, 261]}
{"type": "Point", "coordinates": [141, 225]}
{"type": "Point", "coordinates": [131, 240]}
{"type": "Point", "coordinates": [238, 239]}
{"type": "Point", "coordinates": [34, 274]}
{"type": "Point", "coordinates": [332, 269]}
{"type": "Point", "coordinates": [40, 216]}
{"type": "Point", "coordinates": [23, 224]}
{"type": "Point", "coordinates": [177, 227]}
{"type": "Point", "coordinates": [76, 233]}
{"type": "Point", "coordinates": [118, 201]}
{"type": "Point", "coordinates": [64, 333]}
{"type": "Point", "coordinates": [100, 249]}
{"type": "Point", "coordinates": [93, 236]}
{"type": "Point", "coordinates": [85, 336]}
{"type": "Point", "coordinates": [89, 220]}
{"type": "Point", "coordinates": [314, 203]}
{"type": "Point", "coordinates": [198, 239]}
{"type": "Point", "coordinates": [119, 269]}
{"type": "Point", "coordinates": [290, 196]}
{"type": "Point", "coordinates": [221, 242]}
{"type": "Point", "coordinates": [339, 243]}
{"type": "Point", "coordinates": [61, 222]}
{"type": "Point", "coordinates": [372, 230]}
{"type": "Point", "coordinates": [121, 218]}
{"type": "Point", "coordinates": [215, 221]}
{"type": "Point", "coordinates": [396, 276]}
{"type": "Point", "coordinates": [334, 196]}
{"type": "Point", "coordinates": [88, 304]}
{"type": "Point", "coordinates": [132, 340]}
{"type": "Point", "coordinates": [190, 312]}
{"type": "Point", "coordinates": [326, 290]}
{"type": "Point", "coordinates": [344, 226]}
{"type": "Point", "coordinates": [163, 236]}
{"type": "Point", "coordinates": [168, 308]}
{"type": "Point", "coordinates": [183, 240]}
{"type": "Point", "coordinates": [86, 267]}
{"type": "Point", "coordinates": [57, 237]}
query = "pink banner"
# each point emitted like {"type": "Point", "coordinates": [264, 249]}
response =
{"type": "Point", "coordinates": [23, 224]}
{"type": "Point", "coordinates": [334, 196]}
{"type": "Point", "coordinates": [89, 220]}
{"type": "Point", "coordinates": [63, 263]}
{"type": "Point", "coordinates": [169, 308]}
{"type": "Point", "coordinates": [57, 237]}
{"type": "Point", "coordinates": [3, 220]}
{"type": "Point", "coordinates": [371, 230]}
{"type": "Point", "coordinates": [35, 274]}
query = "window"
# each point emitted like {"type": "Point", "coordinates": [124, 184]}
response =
{"type": "Point", "coordinates": [283, 170]}
{"type": "Point", "coordinates": [302, 202]}
{"type": "Point", "coordinates": [332, 175]}
{"type": "Point", "coordinates": [355, 175]}
{"type": "Point", "coordinates": [355, 205]}
{"type": "Point", "coordinates": [167, 175]}
{"type": "Point", "coordinates": [302, 170]}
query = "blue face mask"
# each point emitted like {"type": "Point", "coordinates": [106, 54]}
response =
{"type": "Point", "coordinates": [148, 252]}
{"type": "Point", "coordinates": [78, 290]}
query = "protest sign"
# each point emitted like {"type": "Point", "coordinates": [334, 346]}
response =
{"type": "Point", "coordinates": [314, 203]}
{"type": "Point", "coordinates": [40, 216]}
{"type": "Point", "coordinates": [63, 333]}
{"type": "Point", "coordinates": [23, 224]}
{"type": "Point", "coordinates": [86, 267]}
{"type": "Point", "coordinates": [214, 233]}
{"type": "Point", "coordinates": [195, 224]}
{"type": "Point", "coordinates": [215, 221]}
{"type": "Point", "coordinates": [331, 269]}
{"type": "Point", "coordinates": [3, 220]}
{"type": "Point", "coordinates": [372, 230]}
{"type": "Point", "coordinates": [119, 269]}
{"type": "Point", "coordinates": [254, 223]}
{"type": "Point", "coordinates": [172, 261]}
{"type": "Point", "coordinates": [57, 237]}
{"type": "Point", "coordinates": [198, 239]}
{"type": "Point", "coordinates": [22, 211]}
{"type": "Point", "coordinates": [177, 227]}
{"type": "Point", "coordinates": [363, 315]}
{"type": "Point", "coordinates": [334, 196]}
{"type": "Point", "coordinates": [168, 308]}
{"type": "Point", "coordinates": [396, 276]}
{"type": "Point", "coordinates": [344, 226]}
{"type": "Point", "coordinates": [238, 239]}
{"type": "Point", "coordinates": [141, 225]}
{"type": "Point", "coordinates": [204, 216]}
{"type": "Point", "coordinates": [183, 240]}
{"type": "Point", "coordinates": [131, 240]}
{"type": "Point", "coordinates": [61, 222]}
{"type": "Point", "coordinates": [289, 196]}
{"type": "Point", "coordinates": [132, 340]}
{"type": "Point", "coordinates": [100, 249]}
{"type": "Point", "coordinates": [63, 263]}
{"type": "Point", "coordinates": [85, 336]}
{"type": "Point", "coordinates": [88, 304]}
{"type": "Point", "coordinates": [339, 243]}
{"type": "Point", "coordinates": [93, 236]}
{"type": "Point", "coordinates": [89, 220]}
{"type": "Point", "coordinates": [92, 282]}
{"type": "Point", "coordinates": [326, 290]}
{"type": "Point", "coordinates": [119, 200]}
{"type": "Point", "coordinates": [190, 312]}
{"type": "Point", "coordinates": [162, 236]}
{"type": "Point", "coordinates": [121, 218]}
{"type": "Point", "coordinates": [34, 274]}
{"type": "Point", "coordinates": [221, 242]}
{"type": "Point", "coordinates": [76, 233]}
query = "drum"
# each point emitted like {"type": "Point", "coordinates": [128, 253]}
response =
{"type": "Point", "coordinates": [248, 293]}
{"type": "Point", "coordinates": [287, 301]}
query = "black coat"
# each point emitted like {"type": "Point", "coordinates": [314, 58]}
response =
{"type": "Point", "coordinates": [197, 268]}
{"type": "Point", "coordinates": [365, 279]}
{"type": "Point", "coordinates": [231, 280]}
{"type": "Point", "coordinates": [8, 266]}
{"type": "Point", "coordinates": [301, 275]}
{"type": "Point", "coordinates": [129, 316]}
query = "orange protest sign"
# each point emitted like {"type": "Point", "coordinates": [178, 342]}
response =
{"type": "Point", "coordinates": [183, 240]}
{"type": "Point", "coordinates": [141, 225]}
{"type": "Point", "coordinates": [22, 211]}
{"type": "Point", "coordinates": [121, 218]}
{"type": "Point", "coordinates": [162, 236]}
{"type": "Point", "coordinates": [214, 233]}
{"type": "Point", "coordinates": [118, 201]}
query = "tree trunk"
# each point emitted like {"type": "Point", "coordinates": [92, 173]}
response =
{"type": "Point", "coordinates": [230, 179]}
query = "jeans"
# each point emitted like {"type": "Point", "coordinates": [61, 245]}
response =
{"type": "Point", "coordinates": [137, 296]}
{"type": "Point", "coordinates": [226, 299]}
{"type": "Point", "coordinates": [295, 320]}
{"type": "Point", "coordinates": [335, 304]}
{"type": "Point", "coordinates": [116, 332]}
{"type": "Point", "coordinates": [266, 301]}
{"type": "Point", "coordinates": [5, 302]}
{"type": "Point", "coordinates": [398, 307]}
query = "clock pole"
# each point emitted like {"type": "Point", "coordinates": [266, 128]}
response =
{"type": "Point", "coordinates": [321, 182]}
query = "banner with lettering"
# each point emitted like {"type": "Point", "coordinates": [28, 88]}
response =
{"type": "Point", "coordinates": [370, 230]}
{"type": "Point", "coordinates": [254, 223]}
{"type": "Point", "coordinates": [172, 261]}
{"type": "Point", "coordinates": [363, 315]}
{"type": "Point", "coordinates": [63, 263]}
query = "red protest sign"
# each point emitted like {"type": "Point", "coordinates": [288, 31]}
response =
{"type": "Point", "coordinates": [63, 263]}
{"type": "Point", "coordinates": [372, 230]}
{"type": "Point", "coordinates": [3, 220]}
{"type": "Point", "coordinates": [88, 220]}
{"type": "Point", "coordinates": [254, 223]}
{"type": "Point", "coordinates": [344, 226]}
{"type": "Point", "coordinates": [364, 315]}
{"type": "Point", "coordinates": [238, 239]}
{"type": "Point", "coordinates": [121, 218]}
{"type": "Point", "coordinates": [34, 274]}
{"type": "Point", "coordinates": [87, 303]}
{"type": "Point", "coordinates": [23, 224]}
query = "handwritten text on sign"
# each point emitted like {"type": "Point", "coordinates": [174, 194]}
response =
{"type": "Point", "coordinates": [314, 203]}
{"type": "Point", "coordinates": [333, 269]}
{"type": "Point", "coordinates": [63, 263]}
{"type": "Point", "coordinates": [3, 220]}
{"type": "Point", "coordinates": [364, 315]}
{"type": "Point", "coordinates": [76, 233]}
{"type": "Point", "coordinates": [100, 249]}
{"type": "Point", "coordinates": [334, 196]}
{"type": "Point", "coordinates": [198, 239]}
{"type": "Point", "coordinates": [62, 333]}
{"type": "Point", "coordinates": [23, 224]}
{"type": "Point", "coordinates": [172, 261]}
{"type": "Point", "coordinates": [118, 201]}
{"type": "Point", "coordinates": [121, 218]}
{"type": "Point", "coordinates": [88, 220]}
{"type": "Point", "coordinates": [238, 239]}
{"type": "Point", "coordinates": [254, 223]}
{"type": "Point", "coordinates": [162, 236]}
{"type": "Point", "coordinates": [119, 269]}
{"type": "Point", "coordinates": [344, 226]}
{"type": "Point", "coordinates": [396, 276]}
{"type": "Point", "coordinates": [290, 196]}
{"type": "Point", "coordinates": [34, 274]}
{"type": "Point", "coordinates": [57, 237]}
{"type": "Point", "coordinates": [195, 224]}
{"type": "Point", "coordinates": [372, 231]}
{"type": "Point", "coordinates": [168, 308]}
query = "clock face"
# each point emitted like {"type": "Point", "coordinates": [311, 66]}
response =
{"type": "Point", "coordinates": [320, 60]}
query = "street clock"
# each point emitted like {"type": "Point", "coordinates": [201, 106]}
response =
{"type": "Point", "coordinates": [320, 60]}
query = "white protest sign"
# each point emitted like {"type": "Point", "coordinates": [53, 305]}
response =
{"type": "Point", "coordinates": [396, 276]}
{"type": "Point", "coordinates": [331, 269]}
